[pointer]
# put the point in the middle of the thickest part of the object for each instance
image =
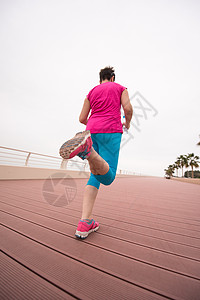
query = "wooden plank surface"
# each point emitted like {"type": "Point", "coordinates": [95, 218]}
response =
{"type": "Point", "coordinates": [147, 247]}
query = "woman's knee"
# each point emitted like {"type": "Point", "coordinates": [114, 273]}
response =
{"type": "Point", "coordinates": [106, 179]}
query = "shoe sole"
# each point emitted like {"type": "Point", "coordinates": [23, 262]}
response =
{"type": "Point", "coordinates": [83, 235]}
{"type": "Point", "coordinates": [72, 145]}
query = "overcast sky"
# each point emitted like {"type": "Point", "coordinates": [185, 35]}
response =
{"type": "Point", "coordinates": [51, 52]}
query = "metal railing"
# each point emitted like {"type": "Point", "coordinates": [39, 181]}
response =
{"type": "Point", "coordinates": [127, 172]}
{"type": "Point", "coordinates": [16, 157]}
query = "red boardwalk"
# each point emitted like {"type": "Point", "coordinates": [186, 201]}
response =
{"type": "Point", "coordinates": [147, 247]}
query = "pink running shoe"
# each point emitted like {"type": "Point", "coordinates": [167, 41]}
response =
{"type": "Point", "coordinates": [80, 145]}
{"type": "Point", "coordinates": [85, 228]}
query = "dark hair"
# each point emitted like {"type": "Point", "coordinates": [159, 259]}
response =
{"type": "Point", "coordinates": [107, 73]}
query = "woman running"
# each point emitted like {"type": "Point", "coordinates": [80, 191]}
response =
{"type": "Point", "coordinates": [100, 143]}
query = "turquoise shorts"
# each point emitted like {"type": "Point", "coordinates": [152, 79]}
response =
{"type": "Point", "coordinates": [107, 145]}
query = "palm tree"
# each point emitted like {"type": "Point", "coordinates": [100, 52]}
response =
{"type": "Point", "coordinates": [183, 162]}
{"type": "Point", "coordinates": [193, 161]}
{"type": "Point", "coordinates": [177, 165]}
{"type": "Point", "coordinates": [187, 165]}
{"type": "Point", "coordinates": [169, 171]}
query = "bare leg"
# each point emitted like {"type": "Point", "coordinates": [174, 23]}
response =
{"type": "Point", "coordinates": [98, 165]}
{"type": "Point", "coordinates": [90, 194]}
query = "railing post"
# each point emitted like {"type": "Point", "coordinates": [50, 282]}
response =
{"type": "Point", "coordinates": [27, 159]}
{"type": "Point", "coordinates": [64, 164]}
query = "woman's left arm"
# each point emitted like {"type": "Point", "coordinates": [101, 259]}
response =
{"type": "Point", "coordinates": [85, 112]}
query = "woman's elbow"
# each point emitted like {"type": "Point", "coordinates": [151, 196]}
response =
{"type": "Point", "coordinates": [82, 120]}
{"type": "Point", "coordinates": [128, 109]}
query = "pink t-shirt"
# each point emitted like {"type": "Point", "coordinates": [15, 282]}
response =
{"type": "Point", "coordinates": [105, 102]}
